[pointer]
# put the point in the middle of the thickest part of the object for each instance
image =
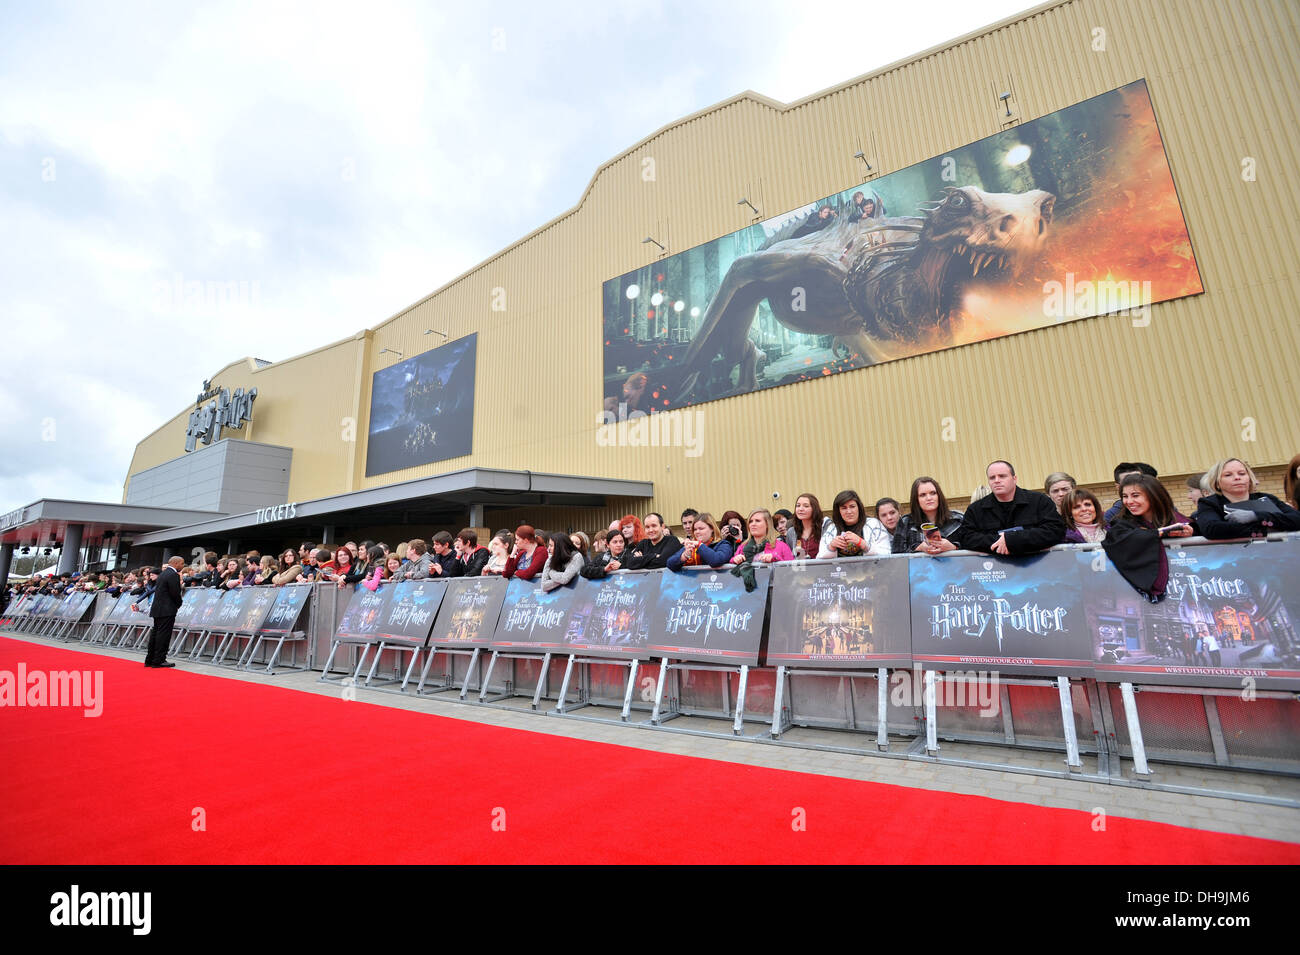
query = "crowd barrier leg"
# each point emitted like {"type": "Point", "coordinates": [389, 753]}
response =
{"type": "Point", "coordinates": [627, 696]}
{"type": "Point", "coordinates": [882, 709]}
{"type": "Point", "coordinates": [487, 677]}
{"type": "Point", "coordinates": [561, 706]}
{"type": "Point", "coordinates": [415, 658]}
{"type": "Point", "coordinates": [931, 716]}
{"type": "Point", "coordinates": [1067, 718]}
{"type": "Point", "coordinates": [738, 726]}
{"type": "Point", "coordinates": [1134, 730]}
{"type": "Point", "coordinates": [469, 671]}
{"type": "Point", "coordinates": [657, 715]}
{"type": "Point", "coordinates": [543, 680]}
{"type": "Point", "coordinates": [778, 704]}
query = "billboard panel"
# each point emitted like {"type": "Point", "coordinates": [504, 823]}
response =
{"type": "Point", "coordinates": [1067, 216]}
{"type": "Point", "coordinates": [422, 409]}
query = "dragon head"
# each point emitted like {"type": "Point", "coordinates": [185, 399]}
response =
{"type": "Point", "coordinates": [999, 231]}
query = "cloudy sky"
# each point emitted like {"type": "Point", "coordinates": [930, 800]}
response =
{"type": "Point", "coordinates": [333, 162]}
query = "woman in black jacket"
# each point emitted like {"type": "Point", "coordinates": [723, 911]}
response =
{"type": "Point", "coordinates": [928, 506]}
{"type": "Point", "coordinates": [1238, 510]}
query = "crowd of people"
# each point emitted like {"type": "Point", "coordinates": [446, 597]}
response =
{"type": "Point", "coordinates": [1002, 518]}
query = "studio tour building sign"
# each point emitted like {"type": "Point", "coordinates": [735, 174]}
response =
{"type": "Point", "coordinates": [223, 410]}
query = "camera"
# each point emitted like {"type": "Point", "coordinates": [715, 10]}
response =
{"type": "Point", "coordinates": [731, 533]}
{"type": "Point", "coordinates": [776, 495]}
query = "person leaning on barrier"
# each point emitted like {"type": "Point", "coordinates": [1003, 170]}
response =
{"type": "Point", "coordinates": [804, 533]}
{"type": "Point", "coordinates": [529, 554]}
{"type": "Point", "coordinates": [708, 547]}
{"type": "Point", "coordinates": [1238, 509]}
{"type": "Point", "coordinates": [607, 561]}
{"type": "Point", "coordinates": [652, 551]}
{"type": "Point", "coordinates": [1134, 539]}
{"type": "Point", "coordinates": [419, 565]}
{"type": "Point", "coordinates": [290, 569]}
{"type": "Point", "coordinates": [1010, 520]}
{"type": "Point", "coordinates": [446, 563]}
{"type": "Point", "coordinates": [473, 556]}
{"type": "Point", "coordinates": [928, 506]}
{"type": "Point", "coordinates": [1081, 511]}
{"type": "Point", "coordinates": [762, 546]}
{"type": "Point", "coordinates": [563, 562]}
{"type": "Point", "coordinates": [852, 533]}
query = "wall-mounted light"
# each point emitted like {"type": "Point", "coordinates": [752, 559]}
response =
{"type": "Point", "coordinates": [863, 156]}
{"type": "Point", "coordinates": [1006, 101]}
{"type": "Point", "coordinates": [392, 351]}
{"type": "Point", "coordinates": [648, 239]}
{"type": "Point", "coordinates": [434, 331]}
{"type": "Point", "coordinates": [744, 201]}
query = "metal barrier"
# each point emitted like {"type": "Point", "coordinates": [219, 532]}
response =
{"type": "Point", "coordinates": [908, 712]}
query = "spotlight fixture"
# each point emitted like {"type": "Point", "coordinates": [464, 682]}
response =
{"type": "Point", "coordinates": [434, 331]}
{"type": "Point", "coordinates": [863, 156]}
{"type": "Point", "coordinates": [744, 201]}
{"type": "Point", "coordinates": [1006, 101]}
{"type": "Point", "coordinates": [648, 239]}
{"type": "Point", "coordinates": [391, 350]}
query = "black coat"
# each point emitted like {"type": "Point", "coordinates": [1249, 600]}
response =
{"type": "Point", "coordinates": [1039, 524]}
{"type": "Point", "coordinates": [648, 556]}
{"type": "Point", "coordinates": [1212, 519]}
{"type": "Point", "coordinates": [167, 594]}
{"type": "Point", "coordinates": [907, 536]}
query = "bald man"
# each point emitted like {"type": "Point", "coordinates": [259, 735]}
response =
{"type": "Point", "coordinates": [166, 601]}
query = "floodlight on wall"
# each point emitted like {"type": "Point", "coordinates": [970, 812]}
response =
{"type": "Point", "coordinates": [1006, 101]}
{"type": "Point", "coordinates": [393, 351]}
{"type": "Point", "coordinates": [863, 156]}
{"type": "Point", "coordinates": [648, 239]}
{"type": "Point", "coordinates": [434, 331]}
{"type": "Point", "coordinates": [744, 201]}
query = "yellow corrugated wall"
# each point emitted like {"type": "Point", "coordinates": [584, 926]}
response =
{"type": "Point", "coordinates": [1207, 373]}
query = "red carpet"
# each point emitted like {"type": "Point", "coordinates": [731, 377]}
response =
{"type": "Point", "coordinates": [289, 777]}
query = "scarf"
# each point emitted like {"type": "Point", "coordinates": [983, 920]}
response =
{"type": "Point", "coordinates": [745, 569]}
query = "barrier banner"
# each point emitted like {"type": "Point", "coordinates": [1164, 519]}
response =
{"type": "Point", "coordinates": [190, 600]}
{"type": "Point", "coordinates": [611, 616]}
{"type": "Point", "coordinates": [708, 615]}
{"type": "Point", "coordinates": [231, 609]}
{"type": "Point", "coordinates": [365, 610]}
{"type": "Point", "coordinates": [205, 616]}
{"type": "Point", "coordinates": [202, 608]}
{"type": "Point", "coordinates": [121, 610]}
{"type": "Point", "coordinates": [74, 607]}
{"type": "Point", "coordinates": [286, 610]}
{"type": "Point", "coordinates": [1018, 615]}
{"type": "Point", "coordinates": [257, 605]}
{"type": "Point", "coordinates": [845, 613]}
{"type": "Point", "coordinates": [469, 611]}
{"type": "Point", "coordinates": [532, 618]}
{"type": "Point", "coordinates": [410, 611]}
{"type": "Point", "coordinates": [1230, 615]}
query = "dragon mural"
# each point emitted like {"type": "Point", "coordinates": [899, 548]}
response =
{"type": "Point", "coordinates": [878, 285]}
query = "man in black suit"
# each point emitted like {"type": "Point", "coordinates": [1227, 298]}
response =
{"type": "Point", "coordinates": [166, 601]}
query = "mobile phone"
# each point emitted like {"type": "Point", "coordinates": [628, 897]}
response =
{"type": "Point", "coordinates": [932, 532]}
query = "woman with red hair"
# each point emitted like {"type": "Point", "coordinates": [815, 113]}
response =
{"type": "Point", "coordinates": [632, 530]}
